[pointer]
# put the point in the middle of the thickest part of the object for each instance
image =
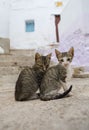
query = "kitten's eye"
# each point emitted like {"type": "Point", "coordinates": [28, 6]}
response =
{"type": "Point", "coordinates": [68, 59]}
{"type": "Point", "coordinates": [62, 60]}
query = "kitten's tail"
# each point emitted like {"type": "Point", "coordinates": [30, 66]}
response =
{"type": "Point", "coordinates": [53, 97]}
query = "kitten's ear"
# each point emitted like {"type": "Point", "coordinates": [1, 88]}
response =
{"type": "Point", "coordinates": [37, 56]}
{"type": "Point", "coordinates": [57, 53]}
{"type": "Point", "coordinates": [49, 56]}
{"type": "Point", "coordinates": [71, 51]}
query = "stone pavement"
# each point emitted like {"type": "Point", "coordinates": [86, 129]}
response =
{"type": "Point", "coordinates": [71, 113]}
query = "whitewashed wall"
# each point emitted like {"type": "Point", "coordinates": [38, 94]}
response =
{"type": "Point", "coordinates": [85, 10]}
{"type": "Point", "coordinates": [73, 28]}
{"type": "Point", "coordinates": [44, 24]}
{"type": "Point", "coordinates": [71, 17]}
{"type": "Point", "coordinates": [4, 18]}
{"type": "Point", "coordinates": [74, 31]}
{"type": "Point", "coordinates": [43, 28]}
{"type": "Point", "coordinates": [13, 14]}
{"type": "Point", "coordinates": [74, 16]}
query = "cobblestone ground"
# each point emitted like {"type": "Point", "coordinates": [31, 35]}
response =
{"type": "Point", "coordinates": [70, 113]}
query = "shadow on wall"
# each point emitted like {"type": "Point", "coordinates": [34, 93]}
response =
{"type": "Point", "coordinates": [4, 46]}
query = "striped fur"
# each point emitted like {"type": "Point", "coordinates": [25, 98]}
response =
{"type": "Point", "coordinates": [56, 77]}
{"type": "Point", "coordinates": [29, 79]}
{"type": "Point", "coordinates": [53, 80]}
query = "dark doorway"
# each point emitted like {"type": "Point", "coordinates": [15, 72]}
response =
{"type": "Point", "coordinates": [57, 20]}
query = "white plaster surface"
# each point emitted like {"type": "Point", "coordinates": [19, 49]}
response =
{"type": "Point", "coordinates": [1, 50]}
{"type": "Point", "coordinates": [79, 41]}
{"type": "Point", "coordinates": [4, 18]}
{"type": "Point", "coordinates": [73, 28]}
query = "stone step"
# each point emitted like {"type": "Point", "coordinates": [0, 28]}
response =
{"type": "Point", "coordinates": [5, 45]}
{"type": "Point", "coordinates": [18, 58]}
{"type": "Point", "coordinates": [9, 70]}
{"type": "Point", "coordinates": [82, 75]}
{"type": "Point", "coordinates": [14, 58]}
{"type": "Point", "coordinates": [81, 72]}
{"type": "Point", "coordinates": [17, 63]}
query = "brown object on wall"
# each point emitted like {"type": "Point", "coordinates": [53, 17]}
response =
{"type": "Point", "coordinates": [57, 20]}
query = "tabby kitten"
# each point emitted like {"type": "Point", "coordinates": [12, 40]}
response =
{"type": "Point", "coordinates": [56, 77]}
{"type": "Point", "coordinates": [65, 59]}
{"type": "Point", "coordinates": [53, 80]}
{"type": "Point", "coordinates": [29, 79]}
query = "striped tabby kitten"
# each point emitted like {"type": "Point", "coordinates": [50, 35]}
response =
{"type": "Point", "coordinates": [29, 79]}
{"type": "Point", "coordinates": [65, 59]}
{"type": "Point", "coordinates": [53, 80]}
{"type": "Point", "coordinates": [57, 76]}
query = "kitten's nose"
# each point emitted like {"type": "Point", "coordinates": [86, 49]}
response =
{"type": "Point", "coordinates": [65, 64]}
